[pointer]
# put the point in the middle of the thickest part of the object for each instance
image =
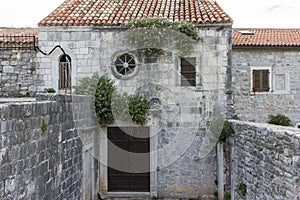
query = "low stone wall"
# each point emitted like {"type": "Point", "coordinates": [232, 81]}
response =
{"type": "Point", "coordinates": [18, 73]}
{"type": "Point", "coordinates": [266, 158]}
{"type": "Point", "coordinates": [41, 150]}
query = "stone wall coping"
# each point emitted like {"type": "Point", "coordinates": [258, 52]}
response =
{"type": "Point", "coordinates": [275, 128]}
{"type": "Point", "coordinates": [8, 100]}
{"type": "Point", "coordinates": [61, 97]}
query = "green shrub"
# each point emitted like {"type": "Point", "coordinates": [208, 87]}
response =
{"type": "Point", "coordinates": [87, 85]}
{"type": "Point", "coordinates": [227, 196]}
{"type": "Point", "coordinates": [44, 126]}
{"type": "Point", "coordinates": [49, 90]}
{"type": "Point", "coordinates": [280, 120]}
{"type": "Point", "coordinates": [103, 96]}
{"type": "Point", "coordinates": [19, 95]}
{"type": "Point", "coordinates": [226, 132]}
{"type": "Point", "coordinates": [109, 102]}
{"type": "Point", "coordinates": [242, 188]}
{"type": "Point", "coordinates": [138, 108]}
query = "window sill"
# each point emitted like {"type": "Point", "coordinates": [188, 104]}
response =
{"type": "Point", "coordinates": [269, 93]}
{"type": "Point", "coordinates": [260, 93]}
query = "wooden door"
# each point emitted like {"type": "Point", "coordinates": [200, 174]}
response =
{"type": "Point", "coordinates": [137, 141]}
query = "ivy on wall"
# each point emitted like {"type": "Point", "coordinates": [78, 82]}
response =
{"type": "Point", "coordinates": [186, 28]}
{"type": "Point", "coordinates": [110, 103]}
{"type": "Point", "coordinates": [156, 33]}
{"type": "Point", "coordinates": [103, 96]}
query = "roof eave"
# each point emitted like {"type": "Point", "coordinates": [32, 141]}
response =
{"type": "Point", "coordinates": [264, 47]}
{"type": "Point", "coordinates": [225, 25]}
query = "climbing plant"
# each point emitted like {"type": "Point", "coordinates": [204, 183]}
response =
{"type": "Point", "coordinates": [87, 85]}
{"type": "Point", "coordinates": [186, 28]}
{"type": "Point", "coordinates": [138, 107]}
{"type": "Point", "coordinates": [109, 103]}
{"type": "Point", "coordinates": [103, 96]}
{"type": "Point", "coordinates": [242, 188]}
{"type": "Point", "coordinates": [158, 33]}
{"type": "Point", "coordinates": [226, 132]}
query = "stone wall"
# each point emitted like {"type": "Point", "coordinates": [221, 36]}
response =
{"type": "Point", "coordinates": [285, 95]}
{"type": "Point", "coordinates": [42, 153]}
{"type": "Point", "coordinates": [18, 73]}
{"type": "Point", "coordinates": [266, 158]}
{"type": "Point", "coordinates": [187, 167]}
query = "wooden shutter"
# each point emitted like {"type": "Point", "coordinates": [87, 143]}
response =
{"type": "Point", "coordinates": [260, 80]}
{"type": "Point", "coordinates": [265, 80]}
{"type": "Point", "coordinates": [65, 72]}
{"type": "Point", "coordinates": [188, 71]}
{"type": "Point", "coordinates": [65, 76]}
{"type": "Point", "coordinates": [255, 81]}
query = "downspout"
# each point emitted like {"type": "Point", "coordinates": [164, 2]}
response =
{"type": "Point", "coordinates": [220, 172]}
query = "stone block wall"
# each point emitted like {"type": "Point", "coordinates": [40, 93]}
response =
{"type": "Point", "coordinates": [179, 111]}
{"type": "Point", "coordinates": [285, 95]}
{"type": "Point", "coordinates": [41, 150]}
{"type": "Point", "coordinates": [266, 158]}
{"type": "Point", "coordinates": [18, 73]}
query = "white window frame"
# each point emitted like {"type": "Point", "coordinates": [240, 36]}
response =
{"type": "Point", "coordinates": [270, 78]}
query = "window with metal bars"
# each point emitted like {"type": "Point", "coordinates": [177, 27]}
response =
{"type": "Point", "coordinates": [65, 72]}
{"type": "Point", "coordinates": [261, 80]}
{"type": "Point", "coordinates": [125, 64]}
{"type": "Point", "coordinates": [188, 71]}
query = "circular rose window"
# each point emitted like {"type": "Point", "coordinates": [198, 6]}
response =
{"type": "Point", "coordinates": [125, 65]}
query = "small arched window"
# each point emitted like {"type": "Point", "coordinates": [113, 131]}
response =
{"type": "Point", "coordinates": [65, 72]}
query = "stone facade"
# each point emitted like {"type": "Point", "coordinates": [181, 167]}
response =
{"type": "Point", "coordinates": [18, 73]}
{"type": "Point", "coordinates": [187, 167]}
{"type": "Point", "coordinates": [266, 158]}
{"type": "Point", "coordinates": [285, 90]}
{"type": "Point", "coordinates": [42, 154]}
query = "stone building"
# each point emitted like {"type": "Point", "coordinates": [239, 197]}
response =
{"type": "Point", "coordinates": [191, 84]}
{"type": "Point", "coordinates": [266, 73]}
{"type": "Point", "coordinates": [186, 83]}
{"type": "Point", "coordinates": [18, 61]}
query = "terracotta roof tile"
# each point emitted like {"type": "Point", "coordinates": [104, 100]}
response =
{"type": "Point", "coordinates": [119, 12]}
{"type": "Point", "coordinates": [18, 31]}
{"type": "Point", "coordinates": [11, 36]}
{"type": "Point", "coordinates": [260, 37]}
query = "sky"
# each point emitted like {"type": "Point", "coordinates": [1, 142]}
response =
{"type": "Point", "coordinates": [245, 13]}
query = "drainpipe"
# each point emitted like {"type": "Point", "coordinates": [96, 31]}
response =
{"type": "Point", "coordinates": [220, 171]}
{"type": "Point", "coordinates": [232, 166]}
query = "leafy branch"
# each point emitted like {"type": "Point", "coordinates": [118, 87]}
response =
{"type": "Point", "coordinates": [157, 33]}
{"type": "Point", "coordinates": [110, 104]}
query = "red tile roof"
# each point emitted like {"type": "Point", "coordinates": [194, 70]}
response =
{"type": "Point", "coordinates": [119, 12]}
{"type": "Point", "coordinates": [18, 31]}
{"type": "Point", "coordinates": [260, 37]}
{"type": "Point", "coordinates": [20, 36]}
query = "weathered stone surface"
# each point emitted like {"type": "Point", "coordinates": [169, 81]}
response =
{"type": "Point", "coordinates": [36, 164]}
{"type": "Point", "coordinates": [284, 98]}
{"type": "Point", "coordinates": [269, 171]}
{"type": "Point", "coordinates": [17, 72]}
{"type": "Point", "coordinates": [181, 109]}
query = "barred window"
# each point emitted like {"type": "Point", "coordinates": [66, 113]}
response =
{"type": "Point", "coordinates": [65, 72]}
{"type": "Point", "coordinates": [188, 71]}
{"type": "Point", "coordinates": [260, 80]}
{"type": "Point", "coordinates": [125, 64]}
